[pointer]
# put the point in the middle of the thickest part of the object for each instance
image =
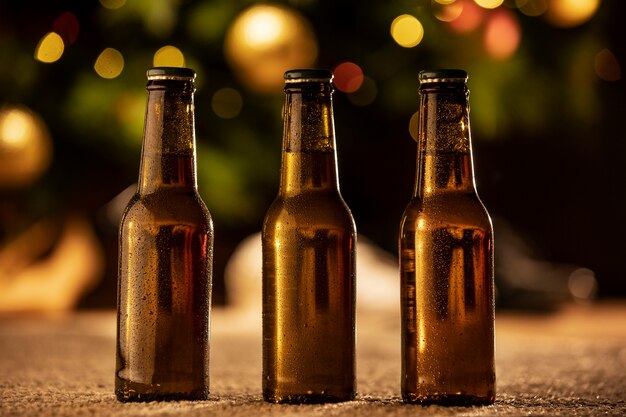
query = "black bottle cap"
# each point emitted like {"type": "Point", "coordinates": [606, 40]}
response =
{"type": "Point", "coordinates": [443, 76]}
{"type": "Point", "coordinates": [171, 73]}
{"type": "Point", "coordinates": [308, 75]}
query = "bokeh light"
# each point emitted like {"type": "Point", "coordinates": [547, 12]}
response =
{"type": "Point", "coordinates": [112, 4]}
{"type": "Point", "coordinates": [348, 77]}
{"type": "Point", "coordinates": [413, 125]}
{"type": "Point", "coordinates": [50, 48]}
{"type": "Point", "coordinates": [67, 26]}
{"type": "Point", "coordinates": [109, 63]}
{"type": "Point", "coordinates": [502, 34]}
{"type": "Point", "coordinates": [264, 41]}
{"type": "Point", "coordinates": [447, 11]}
{"type": "Point", "coordinates": [469, 19]}
{"type": "Point", "coordinates": [570, 13]}
{"type": "Point", "coordinates": [489, 4]}
{"type": "Point", "coordinates": [366, 94]}
{"type": "Point", "coordinates": [607, 66]}
{"type": "Point", "coordinates": [532, 8]}
{"type": "Point", "coordinates": [407, 31]}
{"type": "Point", "coordinates": [25, 147]}
{"type": "Point", "coordinates": [168, 56]}
{"type": "Point", "coordinates": [227, 103]}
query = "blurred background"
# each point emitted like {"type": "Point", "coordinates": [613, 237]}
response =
{"type": "Point", "coordinates": [548, 122]}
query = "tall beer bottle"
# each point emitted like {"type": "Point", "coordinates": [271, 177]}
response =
{"type": "Point", "coordinates": [309, 261]}
{"type": "Point", "coordinates": [165, 256]}
{"type": "Point", "coordinates": [446, 258]}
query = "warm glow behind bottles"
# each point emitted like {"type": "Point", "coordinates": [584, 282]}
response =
{"type": "Point", "coordinates": [264, 41]}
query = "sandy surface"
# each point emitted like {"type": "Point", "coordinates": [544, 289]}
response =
{"type": "Point", "coordinates": [571, 363]}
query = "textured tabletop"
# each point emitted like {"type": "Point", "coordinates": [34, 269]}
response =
{"type": "Point", "coordinates": [568, 363]}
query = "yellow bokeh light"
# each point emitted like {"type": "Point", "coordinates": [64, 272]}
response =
{"type": "Point", "coordinates": [407, 31]}
{"type": "Point", "coordinates": [413, 125]}
{"type": "Point", "coordinates": [227, 103]}
{"type": "Point", "coordinates": [264, 41]}
{"type": "Point", "coordinates": [169, 56]}
{"type": "Point", "coordinates": [109, 63]}
{"type": "Point", "coordinates": [570, 13]}
{"type": "Point", "coordinates": [489, 4]}
{"type": "Point", "coordinates": [112, 4]}
{"type": "Point", "coordinates": [25, 146]}
{"type": "Point", "coordinates": [50, 48]}
{"type": "Point", "coordinates": [447, 12]}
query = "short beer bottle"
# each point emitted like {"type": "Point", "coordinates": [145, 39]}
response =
{"type": "Point", "coordinates": [308, 242]}
{"type": "Point", "coordinates": [165, 256]}
{"type": "Point", "coordinates": [446, 258]}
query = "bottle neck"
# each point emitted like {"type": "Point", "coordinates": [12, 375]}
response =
{"type": "Point", "coordinates": [444, 154]}
{"type": "Point", "coordinates": [168, 160]}
{"type": "Point", "coordinates": [309, 159]}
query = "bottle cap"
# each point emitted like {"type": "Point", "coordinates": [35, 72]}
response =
{"type": "Point", "coordinates": [308, 75]}
{"type": "Point", "coordinates": [443, 76]}
{"type": "Point", "coordinates": [171, 73]}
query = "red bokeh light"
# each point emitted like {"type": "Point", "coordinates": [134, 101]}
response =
{"type": "Point", "coordinates": [348, 77]}
{"type": "Point", "coordinates": [67, 26]}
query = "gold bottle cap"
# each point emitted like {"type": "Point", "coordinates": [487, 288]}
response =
{"type": "Point", "coordinates": [308, 75]}
{"type": "Point", "coordinates": [443, 76]}
{"type": "Point", "coordinates": [171, 73]}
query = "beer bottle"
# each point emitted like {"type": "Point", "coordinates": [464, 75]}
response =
{"type": "Point", "coordinates": [165, 256]}
{"type": "Point", "coordinates": [309, 262]}
{"type": "Point", "coordinates": [446, 258]}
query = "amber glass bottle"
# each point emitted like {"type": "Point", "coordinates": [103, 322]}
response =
{"type": "Point", "coordinates": [309, 239]}
{"type": "Point", "coordinates": [165, 256]}
{"type": "Point", "coordinates": [446, 258]}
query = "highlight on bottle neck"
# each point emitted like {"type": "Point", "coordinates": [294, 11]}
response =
{"type": "Point", "coordinates": [439, 76]}
{"type": "Point", "coordinates": [171, 73]}
{"type": "Point", "coordinates": [297, 76]}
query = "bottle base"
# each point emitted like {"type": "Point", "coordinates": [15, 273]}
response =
{"type": "Point", "coordinates": [309, 398]}
{"type": "Point", "coordinates": [459, 400]}
{"type": "Point", "coordinates": [127, 391]}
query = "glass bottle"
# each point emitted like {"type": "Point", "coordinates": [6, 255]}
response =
{"type": "Point", "coordinates": [309, 261]}
{"type": "Point", "coordinates": [446, 258]}
{"type": "Point", "coordinates": [165, 256]}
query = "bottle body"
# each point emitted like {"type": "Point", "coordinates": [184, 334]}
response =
{"type": "Point", "coordinates": [446, 264]}
{"type": "Point", "coordinates": [309, 265]}
{"type": "Point", "coordinates": [165, 262]}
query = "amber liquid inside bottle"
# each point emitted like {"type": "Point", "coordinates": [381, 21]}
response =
{"type": "Point", "coordinates": [446, 263]}
{"type": "Point", "coordinates": [164, 286]}
{"type": "Point", "coordinates": [309, 284]}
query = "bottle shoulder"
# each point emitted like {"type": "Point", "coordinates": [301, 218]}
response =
{"type": "Point", "coordinates": [463, 209]}
{"type": "Point", "coordinates": [324, 208]}
{"type": "Point", "coordinates": [168, 207]}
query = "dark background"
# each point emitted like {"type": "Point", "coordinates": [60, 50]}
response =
{"type": "Point", "coordinates": [548, 131]}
